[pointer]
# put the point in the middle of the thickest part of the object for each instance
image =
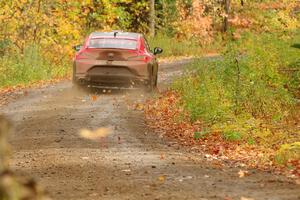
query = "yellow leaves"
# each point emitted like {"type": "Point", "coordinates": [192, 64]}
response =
{"type": "Point", "coordinates": [288, 152]}
{"type": "Point", "coordinates": [289, 22]}
{"type": "Point", "coordinates": [85, 2]}
{"type": "Point", "coordinates": [38, 21]}
{"type": "Point", "coordinates": [95, 135]}
{"type": "Point", "coordinates": [243, 173]}
{"type": "Point", "coordinates": [162, 178]}
{"type": "Point", "coordinates": [195, 24]}
{"type": "Point", "coordinates": [139, 106]}
{"type": "Point", "coordinates": [245, 198]}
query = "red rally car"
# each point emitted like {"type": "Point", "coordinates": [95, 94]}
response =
{"type": "Point", "coordinates": [115, 60]}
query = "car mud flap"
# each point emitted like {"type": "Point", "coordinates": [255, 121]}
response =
{"type": "Point", "coordinates": [113, 87]}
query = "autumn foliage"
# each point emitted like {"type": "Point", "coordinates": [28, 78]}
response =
{"type": "Point", "coordinates": [243, 105]}
{"type": "Point", "coordinates": [242, 97]}
{"type": "Point", "coordinates": [167, 116]}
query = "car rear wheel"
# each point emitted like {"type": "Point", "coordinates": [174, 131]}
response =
{"type": "Point", "coordinates": [78, 87]}
{"type": "Point", "coordinates": [75, 83]}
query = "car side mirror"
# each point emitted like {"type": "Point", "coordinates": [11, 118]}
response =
{"type": "Point", "coordinates": [157, 50]}
{"type": "Point", "coordinates": [77, 47]}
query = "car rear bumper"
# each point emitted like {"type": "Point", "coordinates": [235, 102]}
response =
{"type": "Point", "coordinates": [110, 80]}
{"type": "Point", "coordinates": [114, 74]}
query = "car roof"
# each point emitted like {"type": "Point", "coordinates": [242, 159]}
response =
{"type": "Point", "coordinates": [120, 34]}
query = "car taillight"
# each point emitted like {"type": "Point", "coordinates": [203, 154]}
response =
{"type": "Point", "coordinates": [140, 58]}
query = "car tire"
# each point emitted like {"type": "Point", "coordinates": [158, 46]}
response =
{"type": "Point", "coordinates": [76, 86]}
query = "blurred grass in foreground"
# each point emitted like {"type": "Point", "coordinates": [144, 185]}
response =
{"type": "Point", "coordinates": [11, 186]}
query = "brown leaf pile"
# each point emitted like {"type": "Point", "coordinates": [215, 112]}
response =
{"type": "Point", "coordinates": [11, 186]}
{"type": "Point", "coordinates": [167, 117]}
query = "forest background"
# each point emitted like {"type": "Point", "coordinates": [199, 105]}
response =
{"type": "Point", "coordinates": [251, 93]}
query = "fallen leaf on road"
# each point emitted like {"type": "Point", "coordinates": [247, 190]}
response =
{"type": "Point", "coordinates": [139, 106]}
{"type": "Point", "coordinates": [244, 198]}
{"type": "Point", "coordinates": [94, 98]}
{"type": "Point", "coordinates": [162, 178]}
{"type": "Point", "coordinates": [93, 195]}
{"type": "Point", "coordinates": [242, 173]}
{"type": "Point", "coordinates": [94, 135]}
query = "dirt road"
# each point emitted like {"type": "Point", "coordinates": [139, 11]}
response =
{"type": "Point", "coordinates": [131, 163]}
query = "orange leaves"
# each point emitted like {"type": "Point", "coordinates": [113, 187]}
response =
{"type": "Point", "coordinates": [195, 23]}
{"type": "Point", "coordinates": [139, 107]}
{"type": "Point", "coordinates": [94, 98]}
{"type": "Point", "coordinates": [167, 117]}
{"type": "Point", "coordinates": [162, 178]}
{"type": "Point", "coordinates": [96, 134]}
{"type": "Point", "coordinates": [243, 173]}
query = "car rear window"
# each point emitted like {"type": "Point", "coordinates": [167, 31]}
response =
{"type": "Point", "coordinates": [110, 43]}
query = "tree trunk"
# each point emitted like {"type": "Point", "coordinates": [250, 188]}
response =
{"type": "Point", "coordinates": [227, 11]}
{"type": "Point", "coordinates": [152, 18]}
{"type": "Point", "coordinates": [37, 25]}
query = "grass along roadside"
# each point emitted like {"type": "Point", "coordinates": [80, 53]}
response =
{"type": "Point", "coordinates": [30, 66]}
{"type": "Point", "coordinates": [167, 116]}
{"type": "Point", "coordinates": [175, 47]}
{"type": "Point", "coordinates": [243, 106]}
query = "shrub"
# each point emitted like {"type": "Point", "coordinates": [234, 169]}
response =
{"type": "Point", "coordinates": [244, 89]}
{"type": "Point", "coordinates": [232, 136]}
{"type": "Point", "coordinates": [173, 47]}
{"type": "Point", "coordinates": [198, 135]}
{"type": "Point", "coordinates": [180, 47]}
{"type": "Point", "coordinates": [288, 152]}
{"type": "Point", "coordinates": [29, 66]}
